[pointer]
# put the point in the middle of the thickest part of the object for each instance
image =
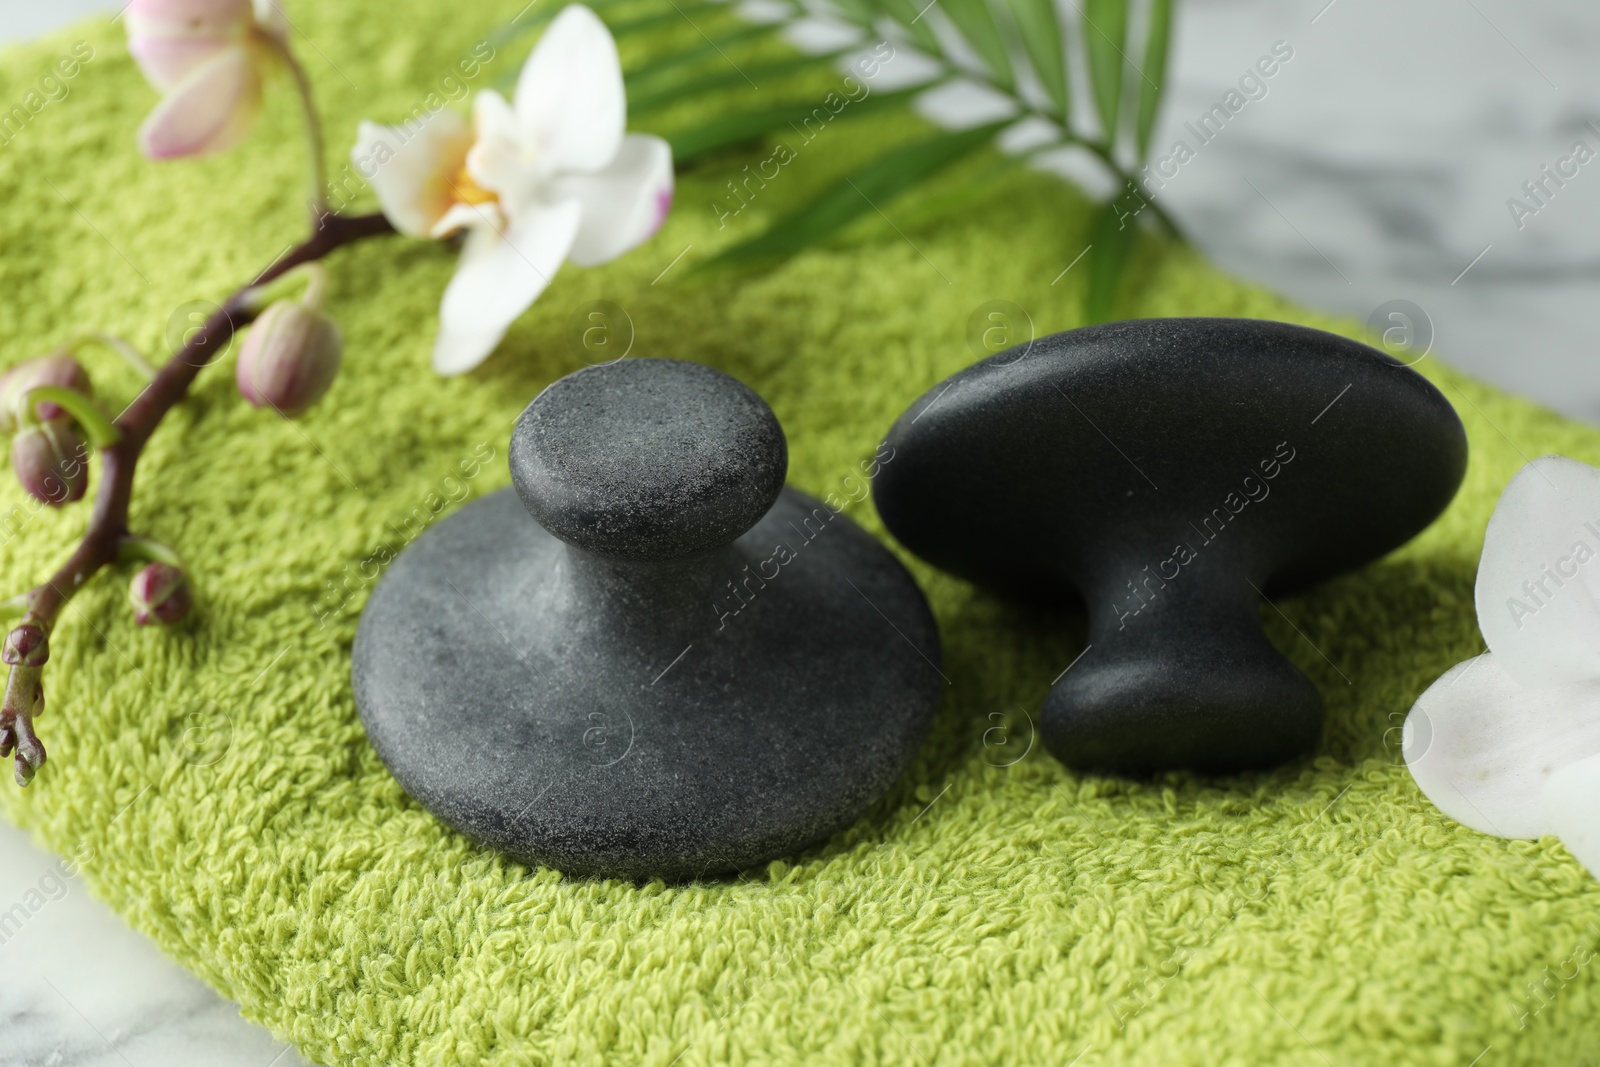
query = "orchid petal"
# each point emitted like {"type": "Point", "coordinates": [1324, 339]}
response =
{"type": "Point", "coordinates": [1572, 810]}
{"type": "Point", "coordinates": [200, 14]}
{"type": "Point", "coordinates": [501, 274]}
{"type": "Point", "coordinates": [166, 61]}
{"type": "Point", "coordinates": [1481, 746]}
{"type": "Point", "coordinates": [271, 17]}
{"type": "Point", "coordinates": [410, 168]}
{"type": "Point", "coordinates": [498, 160]}
{"type": "Point", "coordinates": [624, 204]}
{"type": "Point", "coordinates": [168, 39]}
{"type": "Point", "coordinates": [570, 98]}
{"type": "Point", "coordinates": [210, 111]}
{"type": "Point", "coordinates": [468, 216]}
{"type": "Point", "coordinates": [1538, 591]}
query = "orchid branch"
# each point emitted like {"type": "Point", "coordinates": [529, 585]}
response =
{"type": "Point", "coordinates": [107, 537]}
{"type": "Point", "coordinates": [318, 153]}
{"type": "Point", "coordinates": [293, 350]}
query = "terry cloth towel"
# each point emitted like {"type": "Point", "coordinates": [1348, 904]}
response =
{"type": "Point", "coordinates": [994, 908]}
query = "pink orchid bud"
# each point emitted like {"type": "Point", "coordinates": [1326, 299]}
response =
{"type": "Point", "coordinates": [207, 57]}
{"type": "Point", "coordinates": [160, 594]}
{"type": "Point", "coordinates": [170, 38]}
{"type": "Point", "coordinates": [58, 369]}
{"type": "Point", "coordinates": [51, 460]}
{"type": "Point", "coordinates": [26, 646]}
{"type": "Point", "coordinates": [290, 358]}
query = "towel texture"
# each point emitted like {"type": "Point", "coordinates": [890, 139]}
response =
{"type": "Point", "coordinates": [217, 787]}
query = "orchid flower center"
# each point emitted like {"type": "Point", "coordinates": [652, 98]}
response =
{"type": "Point", "coordinates": [467, 190]}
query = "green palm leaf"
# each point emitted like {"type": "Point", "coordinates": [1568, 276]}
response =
{"type": "Point", "coordinates": [727, 130]}
{"type": "Point", "coordinates": [1110, 240]}
{"type": "Point", "coordinates": [975, 22]}
{"type": "Point", "coordinates": [968, 191]}
{"type": "Point", "coordinates": [725, 54]}
{"type": "Point", "coordinates": [866, 189]}
{"type": "Point", "coordinates": [911, 18]}
{"type": "Point", "coordinates": [709, 48]}
{"type": "Point", "coordinates": [860, 12]}
{"type": "Point", "coordinates": [1041, 36]}
{"type": "Point", "coordinates": [653, 100]}
{"type": "Point", "coordinates": [1157, 44]}
{"type": "Point", "coordinates": [1105, 39]}
{"type": "Point", "coordinates": [672, 15]}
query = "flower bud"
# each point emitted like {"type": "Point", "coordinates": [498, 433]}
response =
{"type": "Point", "coordinates": [170, 38]}
{"type": "Point", "coordinates": [51, 460]}
{"type": "Point", "coordinates": [290, 358]}
{"type": "Point", "coordinates": [159, 594]}
{"type": "Point", "coordinates": [59, 369]}
{"type": "Point", "coordinates": [26, 646]}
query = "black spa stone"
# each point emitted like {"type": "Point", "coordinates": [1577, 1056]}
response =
{"type": "Point", "coordinates": [1173, 474]}
{"type": "Point", "coordinates": [681, 669]}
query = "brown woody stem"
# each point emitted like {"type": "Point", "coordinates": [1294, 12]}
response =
{"type": "Point", "coordinates": [108, 523]}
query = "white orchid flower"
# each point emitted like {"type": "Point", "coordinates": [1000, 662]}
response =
{"type": "Point", "coordinates": [549, 177]}
{"type": "Point", "coordinates": [209, 58]}
{"type": "Point", "coordinates": [1508, 743]}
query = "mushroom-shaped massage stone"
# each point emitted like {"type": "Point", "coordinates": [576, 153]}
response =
{"type": "Point", "coordinates": [1173, 473]}
{"type": "Point", "coordinates": [676, 667]}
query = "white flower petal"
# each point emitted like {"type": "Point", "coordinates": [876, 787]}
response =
{"type": "Point", "coordinates": [1481, 746]}
{"type": "Point", "coordinates": [624, 204]}
{"type": "Point", "coordinates": [410, 167]}
{"type": "Point", "coordinates": [1572, 810]}
{"type": "Point", "coordinates": [468, 216]}
{"type": "Point", "coordinates": [211, 110]}
{"type": "Point", "coordinates": [569, 96]}
{"type": "Point", "coordinates": [499, 161]}
{"type": "Point", "coordinates": [1538, 590]}
{"type": "Point", "coordinates": [500, 275]}
{"type": "Point", "coordinates": [457, 353]}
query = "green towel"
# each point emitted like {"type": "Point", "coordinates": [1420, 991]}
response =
{"type": "Point", "coordinates": [216, 787]}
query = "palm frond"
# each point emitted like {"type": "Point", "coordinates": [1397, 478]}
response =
{"type": "Point", "coordinates": [1158, 41]}
{"type": "Point", "coordinates": [858, 193]}
{"type": "Point", "coordinates": [1105, 42]}
{"type": "Point", "coordinates": [1041, 37]}
{"type": "Point", "coordinates": [724, 131]}
{"type": "Point", "coordinates": [1024, 49]}
{"type": "Point", "coordinates": [1110, 241]}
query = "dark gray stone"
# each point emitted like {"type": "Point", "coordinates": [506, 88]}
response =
{"type": "Point", "coordinates": [712, 672]}
{"type": "Point", "coordinates": [648, 460]}
{"type": "Point", "coordinates": [1172, 473]}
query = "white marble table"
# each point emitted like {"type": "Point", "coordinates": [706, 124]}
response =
{"type": "Point", "coordinates": [84, 990]}
{"type": "Point", "coordinates": [1379, 165]}
{"type": "Point", "coordinates": [1376, 168]}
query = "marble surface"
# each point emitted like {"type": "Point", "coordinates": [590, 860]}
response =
{"type": "Point", "coordinates": [1376, 168]}
{"type": "Point", "coordinates": [1376, 164]}
{"type": "Point", "coordinates": [84, 990]}
{"type": "Point", "coordinates": [1379, 165]}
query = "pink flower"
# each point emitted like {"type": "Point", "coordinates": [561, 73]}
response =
{"type": "Point", "coordinates": [208, 57]}
{"type": "Point", "coordinates": [549, 177]}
